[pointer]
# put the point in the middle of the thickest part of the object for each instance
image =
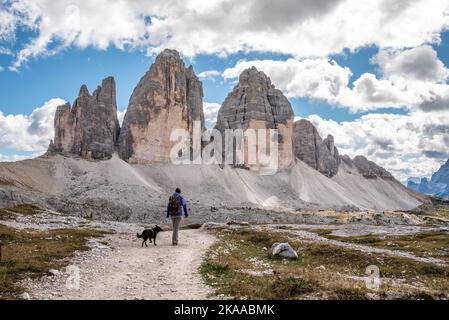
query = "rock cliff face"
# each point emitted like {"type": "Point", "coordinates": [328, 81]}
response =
{"type": "Point", "coordinates": [256, 104]}
{"type": "Point", "coordinates": [311, 149]}
{"type": "Point", "coordinates": [90, 128]}
{"type": "Point", "coordinates": [168, 97]}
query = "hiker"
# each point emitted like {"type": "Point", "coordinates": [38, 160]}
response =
{"type": "Point", "coordinates": [176, 206]}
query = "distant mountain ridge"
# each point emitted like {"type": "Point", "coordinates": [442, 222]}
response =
{"type": "Point", "coordinates": [438, 185]}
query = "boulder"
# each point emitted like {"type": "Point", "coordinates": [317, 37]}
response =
{"type": "Point", "coordinates": [168, 97]}
{"type": "Point", "coordinates": [255, 103]}
{"type": "Point", "coordinates": [283, 250]}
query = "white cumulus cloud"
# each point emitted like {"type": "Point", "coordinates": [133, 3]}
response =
{"type": "Point", "coordinates": [29, 133]}
{"type": "Point", "coordinates": [210, 113]}
{"type": "Point", "coordinates": [420, 63]}
{"type": "Point", "coordinates": [209, 74]}
{"type": "Point", "coordinates": [410, 79]}
{"type": "Point", "coordinates": [324, 79]}
{"type": "Point", "coordinates": [302, 28]}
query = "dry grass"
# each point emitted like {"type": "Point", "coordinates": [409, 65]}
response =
{"type": "Point", "coordinates": [323, 271]}
{"type": "Point", "coordinates": [35, 253]}
{"type": "Point", "coordinates": [22, 209]}
{"type": "Point", "coordinates": [427, 244]}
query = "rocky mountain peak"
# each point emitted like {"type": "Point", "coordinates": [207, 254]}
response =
{"type": "Point", "coordinates": [168, 61]}
{"type": "Point", "coordinates": [442, 175]}
{"type": "Point", "coordinates": [84, 92]}
{"type": "Point", "coordinates": [309, 147]}
{"type": "Point", "coordinates": [254, 77]}
{"type": "Point", "coordinates": [167, 97]}
{"type": "Point", "coordinates": [438, 185]}
{"type": "Point", "coordinates": [369, 169]}
{"type": "Point", "coordinates": [90, 129]}
{"type": "Point", "coordinates": [255, 103]}
{"type": "Point", "coordinates": [168, 54]}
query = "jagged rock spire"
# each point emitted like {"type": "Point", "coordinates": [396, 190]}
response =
{"type": "Point", "coordinates": [310, 148]}
{"type": "Point", "coordinates": [90, 129]}
{"type": "Point", "coordinates": [168, 97]}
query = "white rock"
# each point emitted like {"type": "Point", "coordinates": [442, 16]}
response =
{"type": "Point", "coordinates": [26, 296]}
{"type": "Point", "coordinates": [283, 250]}
{"type": "Point", "coordinates": [54, 272]}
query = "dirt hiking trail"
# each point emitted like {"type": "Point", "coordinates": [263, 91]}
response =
{"type": "Point", "coordinates": [120, 269]}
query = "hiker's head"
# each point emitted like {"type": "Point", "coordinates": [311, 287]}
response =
{"type": "Point", "coordinates": [178, 190]}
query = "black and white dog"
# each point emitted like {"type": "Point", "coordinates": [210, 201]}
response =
{"type": "Point", "coordinates": [149, 234]}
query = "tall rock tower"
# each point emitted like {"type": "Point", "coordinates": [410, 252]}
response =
{"type": "Point", "coordinates": [90, 129]}
{"type": "Point", "coordinates": [168, 97]}
{"type": "Point", "coordinates": [322, 155]}
{"type": "Point", "coordinates": [255, 103]}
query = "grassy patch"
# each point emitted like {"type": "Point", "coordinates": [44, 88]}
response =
{"type": "Point", "coordinates": [6, 214]}
{"type": "Point", "coordinates": [322, 271]}
{"type": "Point", "coordinates": [349, 294]}
{"type": "Point", "coordinates": [35, 253]}
{"type": "Point", "coordinates": [287, 287]}
{"type": "Point", "coordinates": [215, 269]}
{"type": "Point", "coordinates": [428, 244]}
{"type": "Point", "coordinates": [22, 209]}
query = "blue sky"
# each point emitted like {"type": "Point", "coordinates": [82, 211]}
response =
{"type": "Point", "coordinates": [379, 85]}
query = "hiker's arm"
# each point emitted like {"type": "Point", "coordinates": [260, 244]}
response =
{"type": "Point", "coordinates": [168, 210]}
{"type": "Point", "coordinates": [184, 206]}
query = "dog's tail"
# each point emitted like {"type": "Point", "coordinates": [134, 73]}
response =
{"type": "Point", "coordinates": [139, 236]}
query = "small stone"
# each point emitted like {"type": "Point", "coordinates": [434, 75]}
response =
{"type": "Point", "coordinates": [25, 296]}
{"type": "Point", "coordinates": [53, 272]}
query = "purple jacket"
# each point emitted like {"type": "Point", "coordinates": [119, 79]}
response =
{"type": "Point", "coordinates": [183, 205]}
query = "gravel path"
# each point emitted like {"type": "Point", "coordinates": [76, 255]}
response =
{"type": "Point", "coordinates": [124, 270]}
